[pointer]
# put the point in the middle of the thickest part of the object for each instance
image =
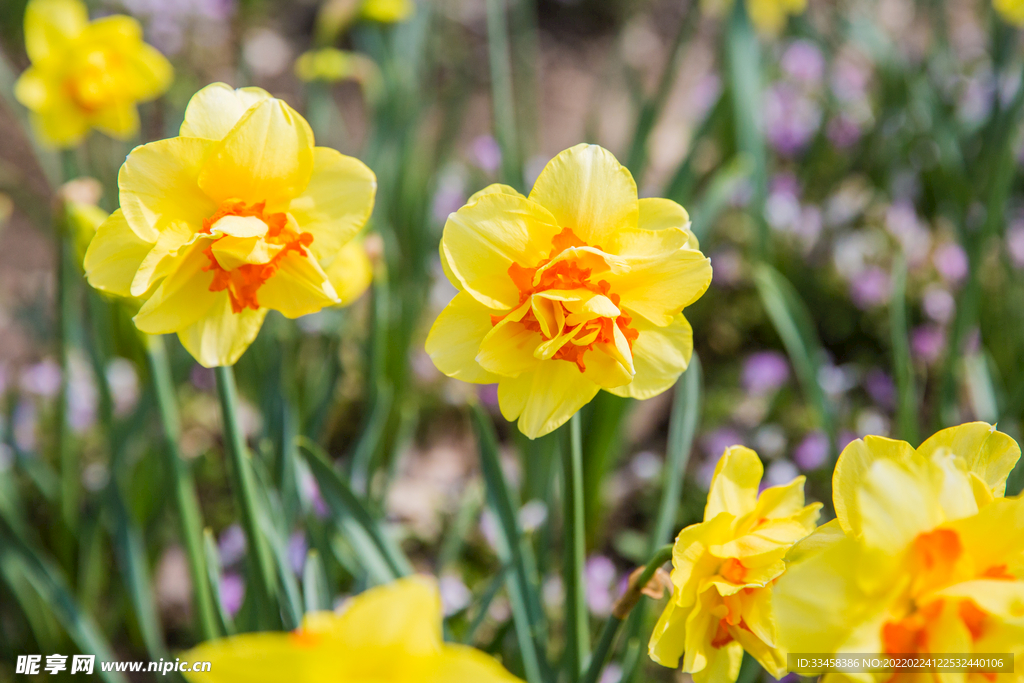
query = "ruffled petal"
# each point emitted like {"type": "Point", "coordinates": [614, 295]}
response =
{"type": "Point", "coordinates": [114, 256]}
{"type": "Point", "coordinates": [183, 298]}
{"type": "Point", "coordinates": [853, 464]}
{"type": "Point", "coordinates": [213, 111]}
{"type": "Point", "coordinates": [590, 192]}
{"type": "Point", "coordinates": [548, 396]}
{"type": "Point", "coordinates": [337, 202]}
{"type": "Point", "coordinates": [735, 482]}
{"type": "Point", "coordinates": [267, 156]}
{"type": "Point", "coordinates": [298, 287]}
{"type": "Point", "coordinates": [350, 272]}
{"type": "Point", "coordinates": [986, 452]}
{"type": "Point", "coordinates": [454, 339]}
{"type": "Point", "coordinates": [159, 189]}
{"type": "Point", "coordinates": [660, 355]}
{"type": "Point", "coordinates": [50, 25]}
{"type": "Point", "coordinates": [221, 336]}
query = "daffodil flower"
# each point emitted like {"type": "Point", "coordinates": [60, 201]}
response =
{"type": "Point", "coordinates": [723, 571]}
{"type": "Point", "coordinates": [769, 16]}
{"type": "Point", "coordinates": [86, 74]}
{"type": "Point", "coordinates": [388, 634]}
{"type": "Point", "coordinates": [926, 555]}
{"type": "Point", "coordinates": [578, 287]}
{"type": "Point", "coordinates": [238, 215]}
{"type": "Point", "coordinates": [1011, 10]}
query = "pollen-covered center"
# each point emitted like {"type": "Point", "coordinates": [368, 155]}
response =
{"type": "Point", "coordinates": [573, 311]}
{"type": "Point", "coordinates": [249, 246]}
{"type": "Point", "coordinates": [938, 561]}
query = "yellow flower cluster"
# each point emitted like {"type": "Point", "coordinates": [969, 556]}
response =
{"type": "Point", "coordinates": [238, 215]}
{"type": "Point", "coordinates": [578, 287]}
{"type": "Point", "coordinates": [86, 74]}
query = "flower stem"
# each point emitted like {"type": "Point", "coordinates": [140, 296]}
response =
{"type": "Point", "coordinates": [576, 625]}
{"type": "Point", "coordinates": [66, 310]}
{"type": "Point", "coordinates": [185, 497]}
{"type": "Point", "coordinates": [611, 627]}
{"type": "Point", "coordinates": [260, 558]}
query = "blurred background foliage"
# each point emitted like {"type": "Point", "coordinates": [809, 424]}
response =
{"type": "Point", "coordinates": [853, 180]}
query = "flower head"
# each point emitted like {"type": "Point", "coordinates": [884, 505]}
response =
{"type": "Point", "coordinates": [769, 16]}
{"type": "Point", "coordinates": [578, 287]}
{"type": "Point", "coordinates": [86, 74]}
{"type": "Point", "coordinates": [926, 556]}
{"type": "Point", "coordinates": [238, 215]}
{"type": "Point", "coordinates": [391, 633]}
{"type": "Point", "coordinates": [1011, 10]}
{"type": "Point", "coordinates": [723, 570]}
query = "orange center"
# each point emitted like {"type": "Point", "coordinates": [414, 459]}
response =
{"type": "Point", "coordinates": [568, 274]}
{"type": "Point", "coordinates": [243, 282]}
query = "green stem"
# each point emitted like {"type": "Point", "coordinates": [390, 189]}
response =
{"type": "Point", "coordinates": [185, 497]}
{"type": "Point", "coordinates": [502, 97]}
{"type": "Point", "coordinates": [614, 623]}
{"type": "Point", "coordinates": [66, 313]}
{"type": "Point", "coordinates": [260, 558]}
{"type": "Point", "coordinates": [576, 625]}
{"type": "Point", "coordinates": [906, 411]}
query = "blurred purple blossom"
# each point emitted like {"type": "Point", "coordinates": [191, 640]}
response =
{"type": "Point", "coordinates": [950, 260]}
{"type": "Point", "coordinates": [1015, 242]}
{"type": "Point", "coordinates": [843, 131]}
{"type": "Point", "coordinates": [124, 385]}
{"type": "Point", "coordinates": [167, 20]}
{"type": "Point", "coordinates": [311, 490]}
{"type": "Point", "coordinates": [488, 394]}
{"type": "Point", "coordinates": [728, 267]}
{"type": "Point", "coordinates": [790, 118]}
{"type": "Point", "coordinates": [231, 545]}
{"type": "Point", "coordinates": [232, 592]}
{"type": "Point", "coordinates": [927, 343]}
{"type": "Point", "coordinates": [83, 397]}
{"type": "Point", "coordinates": [880, 387]}
{"type": "Point", "coordinates": [600, 576]}
{"type": "Point", "coordinates": [851, 77]}
{"type": "Point", "coordinates": [779, 473]}
{"type": "Point", "coordinates": [486, 153]}
{"type": "Point", "coordinates": [202, 378]}
{"type": "Point", "coordinates": [24, 424]}
{"type": "Point", "coordinates": [938, 304]}
{"type": "Point", "coordinates": [765, 372]}
{"type": "Point", "coordinates": [645, 466]}
{"type": "Point", "coordinates": [532, 515]}
{"type": "Point", "coordinates": [804, 62]}
{"type": "Point", "coordinates": [902, 222]}
{"type": "Point", "coordinates": [611, 674]}
{"type": "Point", "coordinates": [812, 452]}
{"type": "Point", "coordinates": [42, 379]}
{"type": "Point", "coordinates": [455, 596]}
{"type": "Point", "coordinates": [297, 548]}
{"type": "Point", "coordinates": [871, 288]}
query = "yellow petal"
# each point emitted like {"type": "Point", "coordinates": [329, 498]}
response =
{"type": "Point", "coordinates": [114, 256]}
{"type": "Point", "coordinates": [657, 214]}
{"type": "Point", "coordinates": [988, 453]}
{"type": "Point", "coordinates": [776, 502]}
{"type": "Point", "coordinates": [896, 503]}
{"type": "Point", "coordinates": [159, 189]}
{"type": "Point", "coordinates": [299, 287]}
{"type": "Point", "coordinates": [267, 156]}
{"type": "Point", "coordinates": [50, 25]}
{"type": "Point", "coordinates": [337, 202]}
{"type": "Point", "coordinates": [183, 297]}
{"type": "Point", "coordinates": [590, 192]}
{"type": "Point", "coordinates": [545, 398]}
{"type": "Point", "coordinates": [494, 188]}
{"type": "Point", "coordinates": [150, 73]}
{"type": "Point", "coordinates": [221, 336]}
{"type": "Point", "coordinates": [119, 120]}
{"type": "Point", "coordinates": [350, 272]}
{"type": "Point", "coordinates": [734, 484]}
{"type": "Point", "coordinates": [34, 90]}
{"type": "Point", "coordinates": [484, 238]}
{"type": "Point", "coordinates": [461, 664]}
{"type": "Point", "coordinates": [995, 535]}
{"type": "Point", "coordinates": [62, 125]}
{"type": "Point", "coordinates": [261, 658]}
{"type": "Point", "coordinates": [405, 615]}
{"type": "Point", "coordinates": [387, 11]}
{"type": "Point", "coordinates": [454, 339]}
{"type": "Point", "coordinates": [509, 349]}
{"type": "Point", "coordinates": [213, 111]}
{"type": "Point", "coordinates": [669, 637]}
{"type": "Point", "coordinates": [853, 464]}
{"type": "Point", "coordinates": [664, 275]}
{"type": "Point", "coordinates": [163, 258]}
{"type": "Point", "coordinates": [116, 32]}
{"type": "Point", "coordinates": [660, 355]}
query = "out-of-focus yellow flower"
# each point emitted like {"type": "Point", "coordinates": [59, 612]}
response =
{"type": "Point", "coordinates": [82, 215]}
{"type": "Point", "coordinates": [237, 215]}
{"type": "Point", "coordinates": [332, 65]}
{"type": "Point", "coordinates": [769, 16]}
{"type": "Point", "coordinates": [86, 74]}
{"type": "Point", "coordinates": [387, 11]}
{"type": "Point", "coordinates": [1011, 10]}
{"type": "Point", "coordinates": [926, 556]}
{"type": "Point", "coordinates": [577, 288]}
{"type": "Point", "coordinates": [337, 15]}
{"type": "Point", "coordinates": [389, 634]}
{"type": "Point", "coordinates": [723, 570]}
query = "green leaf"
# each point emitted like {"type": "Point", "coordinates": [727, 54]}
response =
{"type": "Point", "coordinates": [213, 568]}
{"type": "Point", "coordinates": [316, 591]}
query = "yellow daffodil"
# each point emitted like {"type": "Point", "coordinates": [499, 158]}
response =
{"type": "Point", "coordinates": [926, 556]}
{"type": "Point", "coordinates": [238, 215]}
{"type": "Point", "coordinates": [1011, 10]}
{"type": "Point", "coordinates": [387, 11]}
{"type": "Point", "coordinates": [331, 65]}
{"type": "Point", "coordinates": [389, 634]}
{"type": "Point", "coordinates": [769, 16]}
{"type": "Point", "coordinates": [337, 15]}
{"type": "Point", "coordinates": [723, 570]}
{"type": "Point", "coordinates": [578, 287]}
{"type": "Point", "coordinates": [86, 74]}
